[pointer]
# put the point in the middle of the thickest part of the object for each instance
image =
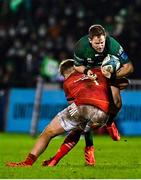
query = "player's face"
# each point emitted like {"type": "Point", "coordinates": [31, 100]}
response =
{"type": "Point", "coordinates": [98, 43]}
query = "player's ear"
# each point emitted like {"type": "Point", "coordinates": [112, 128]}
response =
{"type": "Point", "coordinates": [90, 40]}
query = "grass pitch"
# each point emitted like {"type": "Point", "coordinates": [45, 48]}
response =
{"type": "Point", "coordinates": [115, 160]}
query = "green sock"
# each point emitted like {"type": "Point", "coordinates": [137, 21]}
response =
{"type": "Point", "coordinates": [88, 138]}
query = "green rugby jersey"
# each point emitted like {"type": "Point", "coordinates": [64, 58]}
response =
{"type": "Point", "coordinates": [85, 55]}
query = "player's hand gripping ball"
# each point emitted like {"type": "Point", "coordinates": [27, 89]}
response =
{"type": "Point", "coordinates": [111, 63]}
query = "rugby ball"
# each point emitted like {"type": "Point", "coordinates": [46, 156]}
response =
{"type": "Point", "coordinates": [111, 63]}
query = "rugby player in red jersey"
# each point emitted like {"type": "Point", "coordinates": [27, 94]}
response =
{"type": "Point", "coordinates": [89, 110]}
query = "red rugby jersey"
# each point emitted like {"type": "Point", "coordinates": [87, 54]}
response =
{"type": "Point", "coordinates": [86, 91]}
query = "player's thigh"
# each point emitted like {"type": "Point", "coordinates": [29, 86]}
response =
{"type": "Point", "coordinates": [95, 116]}
{"type": "Point", "coordinates": [54, 128]}
{"type": "Point", "coordinates": [69, 117]}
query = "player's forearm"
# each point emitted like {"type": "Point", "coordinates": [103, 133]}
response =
{"type": "Point", "coordinates": [86, 71]}
{"type": "Point", "coordinates": [125, 70]}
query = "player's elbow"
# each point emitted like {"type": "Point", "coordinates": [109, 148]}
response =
{"type": "Point", "coordinates": [129, 68]}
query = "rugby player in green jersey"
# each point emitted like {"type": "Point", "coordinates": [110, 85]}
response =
{"type": "Point", "coordinates": [89, 52]}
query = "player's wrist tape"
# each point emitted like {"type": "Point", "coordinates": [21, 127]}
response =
{"type": "Point", "coordinates": [86, 71]}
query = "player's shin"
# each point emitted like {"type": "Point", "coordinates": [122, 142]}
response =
{"type": "Point", "coordinates": [70, 141]}
{"type": "Point", "coordinates": [88, 138]}
{"type": "Point", "coordinates": [52, 130]}
{"type": "Point", "coordinates": [89, 149]}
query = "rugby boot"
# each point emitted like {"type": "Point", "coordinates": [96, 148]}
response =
{"type": "Point", "coordinates": [89, 156]}
{"type": "Point", "coordinates": [113, 132]}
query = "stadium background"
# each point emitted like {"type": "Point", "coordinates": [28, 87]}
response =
{"type": "Point", "coordinates": [35, 35]}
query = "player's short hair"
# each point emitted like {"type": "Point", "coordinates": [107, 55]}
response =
{"type": "Point", "coordinates": [96, 30]}
{"type": "Point", "coordinates": [65, 64]}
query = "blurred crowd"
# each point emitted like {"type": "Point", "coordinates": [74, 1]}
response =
{"type": "Point", "coordinates": [33, 29]}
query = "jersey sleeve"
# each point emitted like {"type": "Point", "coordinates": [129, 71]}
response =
{"type": "Point", "coordinates": [78, 59]}
{"type": "Point", "coordinates": [116, 49]}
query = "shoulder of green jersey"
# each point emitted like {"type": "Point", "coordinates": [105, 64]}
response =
{"type": "Point", "coordinates": [78, 58]}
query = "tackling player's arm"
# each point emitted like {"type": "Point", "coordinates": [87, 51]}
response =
{"type": "Point", "coordinates": [83, 69]}
{"type": "Point", "coordinates": [126, 65]}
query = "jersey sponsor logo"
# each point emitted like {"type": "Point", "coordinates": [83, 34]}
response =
{"type": "Point", "coordinates": [99, 63]}
{"type": "Point", "coordinates": [96, 55]}
{"type": "Point", "coordinates": [89, 60]}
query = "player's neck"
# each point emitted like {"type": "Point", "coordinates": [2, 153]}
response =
{"type": "Point", "coordinates": [68, 73]}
